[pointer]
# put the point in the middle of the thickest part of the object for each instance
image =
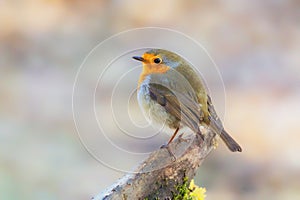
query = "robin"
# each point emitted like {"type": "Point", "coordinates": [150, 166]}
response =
{"type": "Point", "coordinates": [171, 92]}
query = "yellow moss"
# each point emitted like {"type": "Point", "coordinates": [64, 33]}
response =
{"type": "Point", "coordinates": [196, 193]}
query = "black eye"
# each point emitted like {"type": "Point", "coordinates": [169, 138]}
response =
{"type": "Point", "coordinates": [157, 60]}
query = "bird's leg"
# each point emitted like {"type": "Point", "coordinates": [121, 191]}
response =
{"type": "Point", "coordinates": [199, 134]}
{"type": "Point", "coordinates": [171, 139]}
{"type": "Point", "coordinates": [173, 136]}
{"type": "Point", "coordinates": [170, 152]}
{"type": "Point", "coordinates": [167, 145]}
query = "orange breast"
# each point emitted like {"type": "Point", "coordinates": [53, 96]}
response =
{"type": "Point", "coordinates": [152, 69]}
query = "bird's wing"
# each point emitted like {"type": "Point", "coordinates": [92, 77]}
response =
{"type": "Point", "coordinates": [182, 105]}
{"type": "Point", "coordinates": [213, 117]}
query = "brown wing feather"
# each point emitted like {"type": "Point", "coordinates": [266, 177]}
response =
{"type": "Point", "coordinates": [181, 105]}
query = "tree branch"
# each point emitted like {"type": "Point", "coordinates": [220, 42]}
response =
{"type": "Point", "coordinates": [159, 175]}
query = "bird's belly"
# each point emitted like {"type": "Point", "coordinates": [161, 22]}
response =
{"type": "Point", "coordinates": [154, 112]}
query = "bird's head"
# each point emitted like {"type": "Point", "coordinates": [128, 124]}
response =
{"type": "Point", "coordinates": [159, 58]}
{"type": "Point", "coordinates": [158, 61]}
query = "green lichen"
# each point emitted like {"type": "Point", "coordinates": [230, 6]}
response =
{"type": "Point", "coordinates": [182, 191]}
{"type": "Point", "coordinates": [185, 191]}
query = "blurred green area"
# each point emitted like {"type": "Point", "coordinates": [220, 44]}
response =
{"type": "Point", "coordinates": [254, 43]}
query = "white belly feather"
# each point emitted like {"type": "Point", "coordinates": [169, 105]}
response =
{"type": "Point", "coordinates": [154, 112]}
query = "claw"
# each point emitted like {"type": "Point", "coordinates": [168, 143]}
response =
{"type": "Point", "coordinates": [164, 146]}
{"type": "Point", "coordinates": [168, 148]}
{"type": "Point", "coordinates": [181, 139]}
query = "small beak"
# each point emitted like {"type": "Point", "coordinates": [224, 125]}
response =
{"type": "Point", "coordinates": [138, 58]}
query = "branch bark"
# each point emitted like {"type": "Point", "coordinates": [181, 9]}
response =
{"type": "Point", "coordinates": [159, 175]}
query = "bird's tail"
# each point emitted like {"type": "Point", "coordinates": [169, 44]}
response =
{"type": "Point", "coordinates": [217, 126]}
{"type": "Point", "coordinates": [230, 142]}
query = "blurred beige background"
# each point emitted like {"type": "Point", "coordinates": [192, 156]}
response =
{"type": "Point", "coordinates": [254, 43]}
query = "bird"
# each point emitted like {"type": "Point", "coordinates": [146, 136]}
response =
{"type": "Point", "coordinates": [170, 92]}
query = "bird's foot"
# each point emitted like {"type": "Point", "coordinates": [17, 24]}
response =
{"type": "Point", "coordinates": [181, 139]}
{"type": "Point", "coordinates": [200, 138]}
{"type": "Point", "coordinates": [200, 134]}
{"type": "Point", "coordinates": [168, 148]}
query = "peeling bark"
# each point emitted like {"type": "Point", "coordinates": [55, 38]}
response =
{"type": "Point", "coordinates": [159, 175]}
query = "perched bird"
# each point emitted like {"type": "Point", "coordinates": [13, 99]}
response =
{"type": "Point", "coordinates": [171, 92]}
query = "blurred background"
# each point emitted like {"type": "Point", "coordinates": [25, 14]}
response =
{"type": "Point", "coordinates": [254, 43]}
